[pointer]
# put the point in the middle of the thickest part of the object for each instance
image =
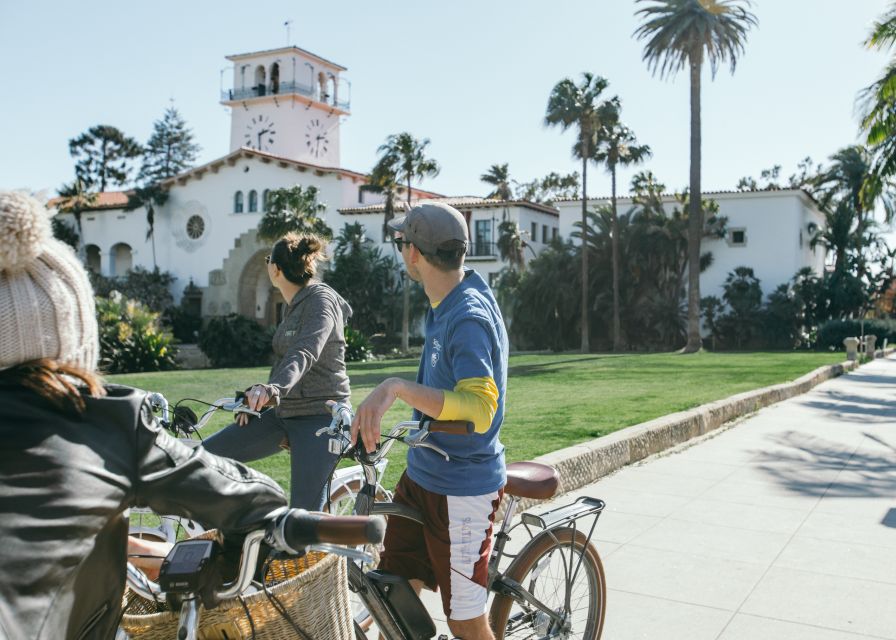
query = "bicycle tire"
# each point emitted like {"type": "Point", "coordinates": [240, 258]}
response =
{"type": "Point", "coordinates": [541, 554]}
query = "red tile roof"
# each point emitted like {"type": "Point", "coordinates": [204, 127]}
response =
{"type": "Point", "coordinates": [105, 200]}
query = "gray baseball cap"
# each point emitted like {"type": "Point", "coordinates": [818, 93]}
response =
{"type": "Point", "coordinates": [432, 226]}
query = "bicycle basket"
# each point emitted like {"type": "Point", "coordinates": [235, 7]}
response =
{"type": "Point", "coordinates": [313, 589]}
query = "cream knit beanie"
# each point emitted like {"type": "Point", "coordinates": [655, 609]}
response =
{"type": "Point", "coordinates": [46, 301]}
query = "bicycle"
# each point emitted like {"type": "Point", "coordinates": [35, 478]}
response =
{"type": "Point", "coordinates": [188, 580]}
{"type": "Point", "coordinates": [553, 587]}
{"type": "Point", "coordinates": [182, 422]}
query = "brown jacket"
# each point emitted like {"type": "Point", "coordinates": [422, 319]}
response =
{"type": "Point", "coordinates": [309, 350]}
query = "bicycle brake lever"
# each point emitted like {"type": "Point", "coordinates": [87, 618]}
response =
{"type": "Point", "coordinates": [434, 448]}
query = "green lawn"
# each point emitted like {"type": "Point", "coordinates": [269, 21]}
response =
{"type": "Point", "coordinates": [553, 401]}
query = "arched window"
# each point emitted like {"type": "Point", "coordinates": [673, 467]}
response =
{"type": "Point", "coordinates": [266, 200]}
{"type": "Point", "coordinates": [259, 80]}
{"type": "Point", "coordinates": [122, 260]}
{"type": "Point", "coordinates": [275, 77]}
{"type": "Point", "coordinates": [238, 202]}
{"type": "Point", "coordinates": [253, 201]}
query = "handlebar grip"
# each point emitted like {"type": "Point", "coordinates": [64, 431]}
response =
{"type": "Point", "coordinates": [301, 528]}
{"type": "Point", "coordinates": [457, 427]}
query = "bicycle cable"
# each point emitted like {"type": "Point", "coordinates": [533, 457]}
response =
{"type": "Point", "coordinates": [248, 615]}
{"type": "Point", "coordinates": [278, 606]}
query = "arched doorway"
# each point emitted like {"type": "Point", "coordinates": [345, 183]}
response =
{"type": "Point", "coordinates": [122, 260]}
{"type": "Point", "coordinates": [260, 80]}
{"type": "Point", "coordinates": [258, 299]}
{"type": "Point", "coordinates": [93, 258]}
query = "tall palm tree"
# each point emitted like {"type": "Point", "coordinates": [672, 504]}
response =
{"type": "Point", "coordinates": [682, 33]}
{"type": "Point", "coordinates": [407, 155]}
{"type": "Point", "coordinates": [384, 179]}
{"type": "Point", "coordinates": [498, 175]}
{"type": "Point", "coordinates": [617, 146]}
{"type": "Point", "coordinates": [579, 106]}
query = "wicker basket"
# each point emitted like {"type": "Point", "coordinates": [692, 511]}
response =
{"type": "Point", "coordinates": [313, 589]}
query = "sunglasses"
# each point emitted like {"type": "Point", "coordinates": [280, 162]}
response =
{"type": "Point", "coordinates": [267, 259]}
{"type": "Point", "coordinates": [401, 243]}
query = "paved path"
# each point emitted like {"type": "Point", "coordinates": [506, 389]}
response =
{"type": "Point", "coordinates": [782, 526]}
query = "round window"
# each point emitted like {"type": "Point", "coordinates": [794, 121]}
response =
{"type": "Point", "coordinates": [195, 227]}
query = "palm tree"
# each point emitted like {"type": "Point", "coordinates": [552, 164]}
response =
{"type": "Point", "coordinates": [407, 155]}
{"type": "Point", "coordinates": [511, 244]}
{"type": "Point", "coordinates": [498, 176]}
{"type": "Point", "coordinates": [617, 146]}
{"type": "Point", "coordinates": [850, 179]}
{"type": "Point", "coordinates": [877, 102]}
{"type": "Point", "coordinates": [683, 33]}
{"type": "Point", "coordinates": [571, 105]}
{"type": "Point", "coordinates": [384, 179]}
{"type": "Point", "coordinates": [75, 200]}
{"type": "Point", "coordinates": [150, 196]}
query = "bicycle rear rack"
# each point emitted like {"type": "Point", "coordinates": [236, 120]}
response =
{"type": "Point", "coordinates": [562, 516]}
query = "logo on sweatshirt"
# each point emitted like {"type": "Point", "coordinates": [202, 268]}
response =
{"type": "Point", "coordinates": [436, 351]}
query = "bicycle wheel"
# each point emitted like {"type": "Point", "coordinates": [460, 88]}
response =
{"type": "Point", "coordinates": [543, 568]}
{"type": "Point", "coordinates": [342, 503]}
{"type": "Point", "coordinates": [342, 499]}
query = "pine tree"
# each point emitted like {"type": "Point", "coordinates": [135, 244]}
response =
{"type": "Point", "coordinates": [103, 156]}
{"type": "Point", "coordinates": [170, 149]}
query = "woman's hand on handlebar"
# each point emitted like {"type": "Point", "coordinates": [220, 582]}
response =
{"type": "Point", "coordinates": [258, 397]}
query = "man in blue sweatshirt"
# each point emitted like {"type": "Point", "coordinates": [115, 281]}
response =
{"type": "Point", "coordinates": [462, 376]}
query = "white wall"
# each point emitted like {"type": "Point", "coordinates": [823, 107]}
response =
{"type": "Point", "coordinates": [777, 236]}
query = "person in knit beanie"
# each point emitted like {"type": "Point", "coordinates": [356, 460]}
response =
{"type": "Point", "coordinates": [46, 301]}
{"type": "Point", "coordinates": [75, 453]}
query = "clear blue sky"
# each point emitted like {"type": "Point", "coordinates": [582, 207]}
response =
{"type": "Point", "coordinates": [472, 76]}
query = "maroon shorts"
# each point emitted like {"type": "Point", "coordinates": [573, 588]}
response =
{"type": "Point", "coordinates": [450, 551]}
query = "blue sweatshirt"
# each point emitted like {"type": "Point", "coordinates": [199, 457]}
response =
{"type": "Point", "coordinates": [465, 338]}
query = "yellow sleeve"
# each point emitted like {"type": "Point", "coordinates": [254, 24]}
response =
{"type": "Point", "coordinates": [473, 399]}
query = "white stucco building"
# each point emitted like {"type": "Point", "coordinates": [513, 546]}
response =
{"type": "Point", "coordinates": [768, 231]}
{"type": "Point", "coordinates": [286, 109]}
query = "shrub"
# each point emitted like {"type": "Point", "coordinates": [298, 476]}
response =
{"type": "Point", "coordinates": [235, 341]}
{"type": "Point", "coordinates": [185, 324]}
{"type": "Point", "coordinates": [357, 346]}
{"type": "Point", "coordinates": [151, 288]}
{"type": "Point", "coordinates": [131, 337]}
{"type": "Point", "coordinates": [832, 333]}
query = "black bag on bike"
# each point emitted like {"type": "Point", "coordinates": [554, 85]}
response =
{"type": "Point", "coordinates": [409, 612]}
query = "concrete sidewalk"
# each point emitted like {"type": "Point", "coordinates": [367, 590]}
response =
{"type": "Point", "coordinates": [780, 526]}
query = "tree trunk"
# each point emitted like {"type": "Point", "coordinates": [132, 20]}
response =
{"type": "Point", "coordinates": [406, 297]}
{"type": "Point", "coordinates": [614, 243]}
{"type": "Point", "coordinates": [585, 323]}
{"type": "Point", "coordinates": [695, 214]}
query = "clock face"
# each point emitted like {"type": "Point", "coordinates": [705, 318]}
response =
{"type": "Point", "coordinates": [260, 133]}
{"type": "Point", "coordinates": [316, 138]}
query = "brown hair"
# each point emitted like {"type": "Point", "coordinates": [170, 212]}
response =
{"type": "Point", "coordinates": [55, 382]}
{"type": "Point", "coordinates": [297, 256]}
{"type": "Point", "coordinates": [448, 257]}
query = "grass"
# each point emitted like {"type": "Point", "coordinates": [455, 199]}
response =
{"type": "Point", "coordinates": [553, 401]}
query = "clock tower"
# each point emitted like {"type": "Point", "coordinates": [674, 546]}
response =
{"type": "Point", "coordinates": [287, 102]}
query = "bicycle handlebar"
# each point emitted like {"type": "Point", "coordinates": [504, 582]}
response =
{"type": "Point", "coordinates": [286, 530]}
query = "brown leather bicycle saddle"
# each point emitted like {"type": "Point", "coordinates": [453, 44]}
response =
{"type": "Point", "coordinates": [531, 480]}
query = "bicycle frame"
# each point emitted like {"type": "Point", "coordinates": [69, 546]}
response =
{"type": "Point", "coordinates": [390, 624]}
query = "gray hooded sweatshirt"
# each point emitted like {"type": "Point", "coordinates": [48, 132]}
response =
{"type": "Point", "coordinates": [309, 352]}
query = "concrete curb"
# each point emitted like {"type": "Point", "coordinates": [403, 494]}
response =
{"type": "Point", "coordinates": [584, 463]}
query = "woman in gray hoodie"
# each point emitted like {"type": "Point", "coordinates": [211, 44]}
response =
{"type": "Point", "coordinates": [309, 369]}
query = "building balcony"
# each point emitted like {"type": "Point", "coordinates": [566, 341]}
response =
{"type": "Point", "coordinates": [487, 250]}
{"type": "Point", "coordinates": [283, 88]}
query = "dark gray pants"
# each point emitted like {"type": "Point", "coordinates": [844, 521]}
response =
{"type": "Point", "coordinates": [311, 462]}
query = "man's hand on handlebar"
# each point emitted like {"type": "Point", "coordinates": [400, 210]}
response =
{"type": "Point", "coordinates": [370, 414]}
